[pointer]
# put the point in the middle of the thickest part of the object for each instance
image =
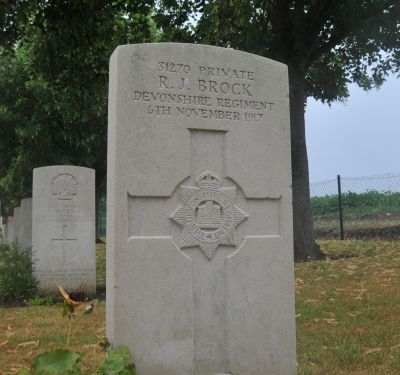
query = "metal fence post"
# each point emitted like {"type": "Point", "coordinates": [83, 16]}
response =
{"type": "Point", "coordinates": [340, 207]}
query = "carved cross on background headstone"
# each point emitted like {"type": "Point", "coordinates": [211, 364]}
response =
{"type": "Point", "coordinates": [63, 243]}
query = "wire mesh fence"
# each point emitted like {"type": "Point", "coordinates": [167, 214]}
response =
{"type": "Point", "coordinates": [345, 207]}
{"type": "Point", "coordinates": [357, 207]}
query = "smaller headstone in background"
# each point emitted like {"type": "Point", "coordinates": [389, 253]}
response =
{"type": "Point", "coordinates": [4, 232]}
{"type": "Point", "coordinates": [10, 229]}
{"type": "Point", "coordinates": [3, 229]}
{"type": "Point", "coordinates": [63, 228]}
{"type": "Point", "coordinates": [25, 230]}
{"type": "Point", "coordinates": [2, 226]}
{"type": "Point", "coordinates": [17, 225]}
{"type": "Point", "coordinates": [1, 219]}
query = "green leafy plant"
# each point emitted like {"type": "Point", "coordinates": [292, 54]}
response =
{"type": "Point", "coordinates": [17, 282]}
{"type": "Point", "coordinates": [67, 362]}
{"type": "Point", "coordinates": [74, 309]}
{"type": "Point", "coordinates": [44, 301]}
{"type": "Point", "coordinates": [115, 362]}
{"type": "Point", "coordinates": [57, 362]}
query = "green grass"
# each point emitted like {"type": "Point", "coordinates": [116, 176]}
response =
{"type": "Point", "coordinates": [347, 313]}
{"type": "Point", "coordinates": [348, 310]}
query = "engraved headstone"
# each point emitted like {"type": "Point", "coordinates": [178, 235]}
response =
{"type": "Point", "coordinates": [64, 228]}
{"type": "Point", "coordinates": [3, 227]}
{"type": "Point", "coordinates": [4, 233]}
{"type": "Point", "coordinates": [25, 230]}
{"type": "Point", "coordinates": [17, 225]}
{"type": "Point", "coordinates": [199, 225]}
{"type": "Point", "coordinates": [10, 229]}
{"type": "Point", "coordinates": [1, 220]}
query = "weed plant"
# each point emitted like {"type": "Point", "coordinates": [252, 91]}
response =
{"type": "Point", "coordinates": [17, 282]}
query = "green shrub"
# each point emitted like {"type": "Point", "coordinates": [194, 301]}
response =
{"type": "Point", "coordinates": [17, 282]}
{"type": "Point", "coordinates": [44, 301]}
{"type": "Point", "coordinates": [370, 202]}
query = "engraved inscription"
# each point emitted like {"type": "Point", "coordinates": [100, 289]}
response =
{"type": "Point", "coordinates": [208, 214]}
{"type": "Point", "coordinates": [64, 186]}
{"type": "Point", "coordinates": [204, 92]}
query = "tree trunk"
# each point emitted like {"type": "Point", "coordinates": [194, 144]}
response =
{"type": "Point", "coordinates": [303, 229]}
{"type": "Point", "coordinates": [100, 179]}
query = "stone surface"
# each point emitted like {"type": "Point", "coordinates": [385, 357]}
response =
{"type": "Point", "coordinates": [4, 232]}
{"type": "Point", "coordinates": [64, 228]}
{"type": "Point", "coordinates": [3, 226]}
{"type": "Point", "coordinates": [10, 229]}
{"type": "Point", "coordinates": [25, 230]}
{"type": "Point", "coordinates": [199, 220]}
{"type": "Point", "coordinates": [17, 225]}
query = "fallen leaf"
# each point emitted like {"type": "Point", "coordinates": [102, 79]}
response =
{"type": "Point", "coordinates": [375, 350]}
{"type": "Point", "coordinates": [28, 343]}
{"type": "Point", "coordinates": [360, 329]}
{"type": "Point", "coordinates": [5, 342]}
{"type": "Point", "coordinates": [331, 321]}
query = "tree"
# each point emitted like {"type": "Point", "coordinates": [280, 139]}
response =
{"type": "Point", "coordinates": [326, 45]}
{"type": "Point", "coordinates": [54, 83]}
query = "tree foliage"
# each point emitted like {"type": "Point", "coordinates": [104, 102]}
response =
{"type": "Point", "coordinates": [326, 45]}
{"type": "Point", "coordinates": [335, 42]}
{"type": "Point", "coordinates": [53, 83]}
{"type": "Point", "coordinates": [55, 62]}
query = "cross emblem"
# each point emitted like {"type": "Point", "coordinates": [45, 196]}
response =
{"type": "Point", "coordinates": [63, 244]}
{"type": "Point", "coordinates": [199, 214]}
{"type": "Point", "coordinates": [206, 213]}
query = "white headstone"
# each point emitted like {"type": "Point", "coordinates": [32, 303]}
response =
{"type": "Point", "coordinates": [199, 211]}
{"type": "Point", "coordinates": [4, 233]}
{"type": "Point", "coordinates": [10, 229]}
{"type": "Point", "coordinates": [3, 228]}
{"type": "Point", "coordinates": [25, 231]}
{"type": "Point", "coordinates": [64, 228]}
{"type": "Point", "coordinates": [17, 225]}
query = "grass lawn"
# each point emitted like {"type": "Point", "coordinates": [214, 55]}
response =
{"type": "Point", "coordinates": [348, 310]}
{"type": "Point", "coordinates": [347, 313]}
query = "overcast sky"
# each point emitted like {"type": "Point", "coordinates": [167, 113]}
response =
{"type": "Point", "coordinates": [357, 138]}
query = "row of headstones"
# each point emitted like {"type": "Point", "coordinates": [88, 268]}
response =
{"type": "Point", "coordinates": [18, 229]}
{"type": "Point", "coordinates": [3, 227]}
{"type": "Point", "coordinates": [199, 245]}
{"type": "Point", "coordinates": [58, 223]}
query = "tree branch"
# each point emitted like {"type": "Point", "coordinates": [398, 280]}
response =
{"type": "Point", "coordinates": [350, 29]}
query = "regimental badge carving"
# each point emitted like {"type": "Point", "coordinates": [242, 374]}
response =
{"type": "Point", "coordinates": [64, 186]}
{"type": "Point", "coordinates": [208, 214]}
